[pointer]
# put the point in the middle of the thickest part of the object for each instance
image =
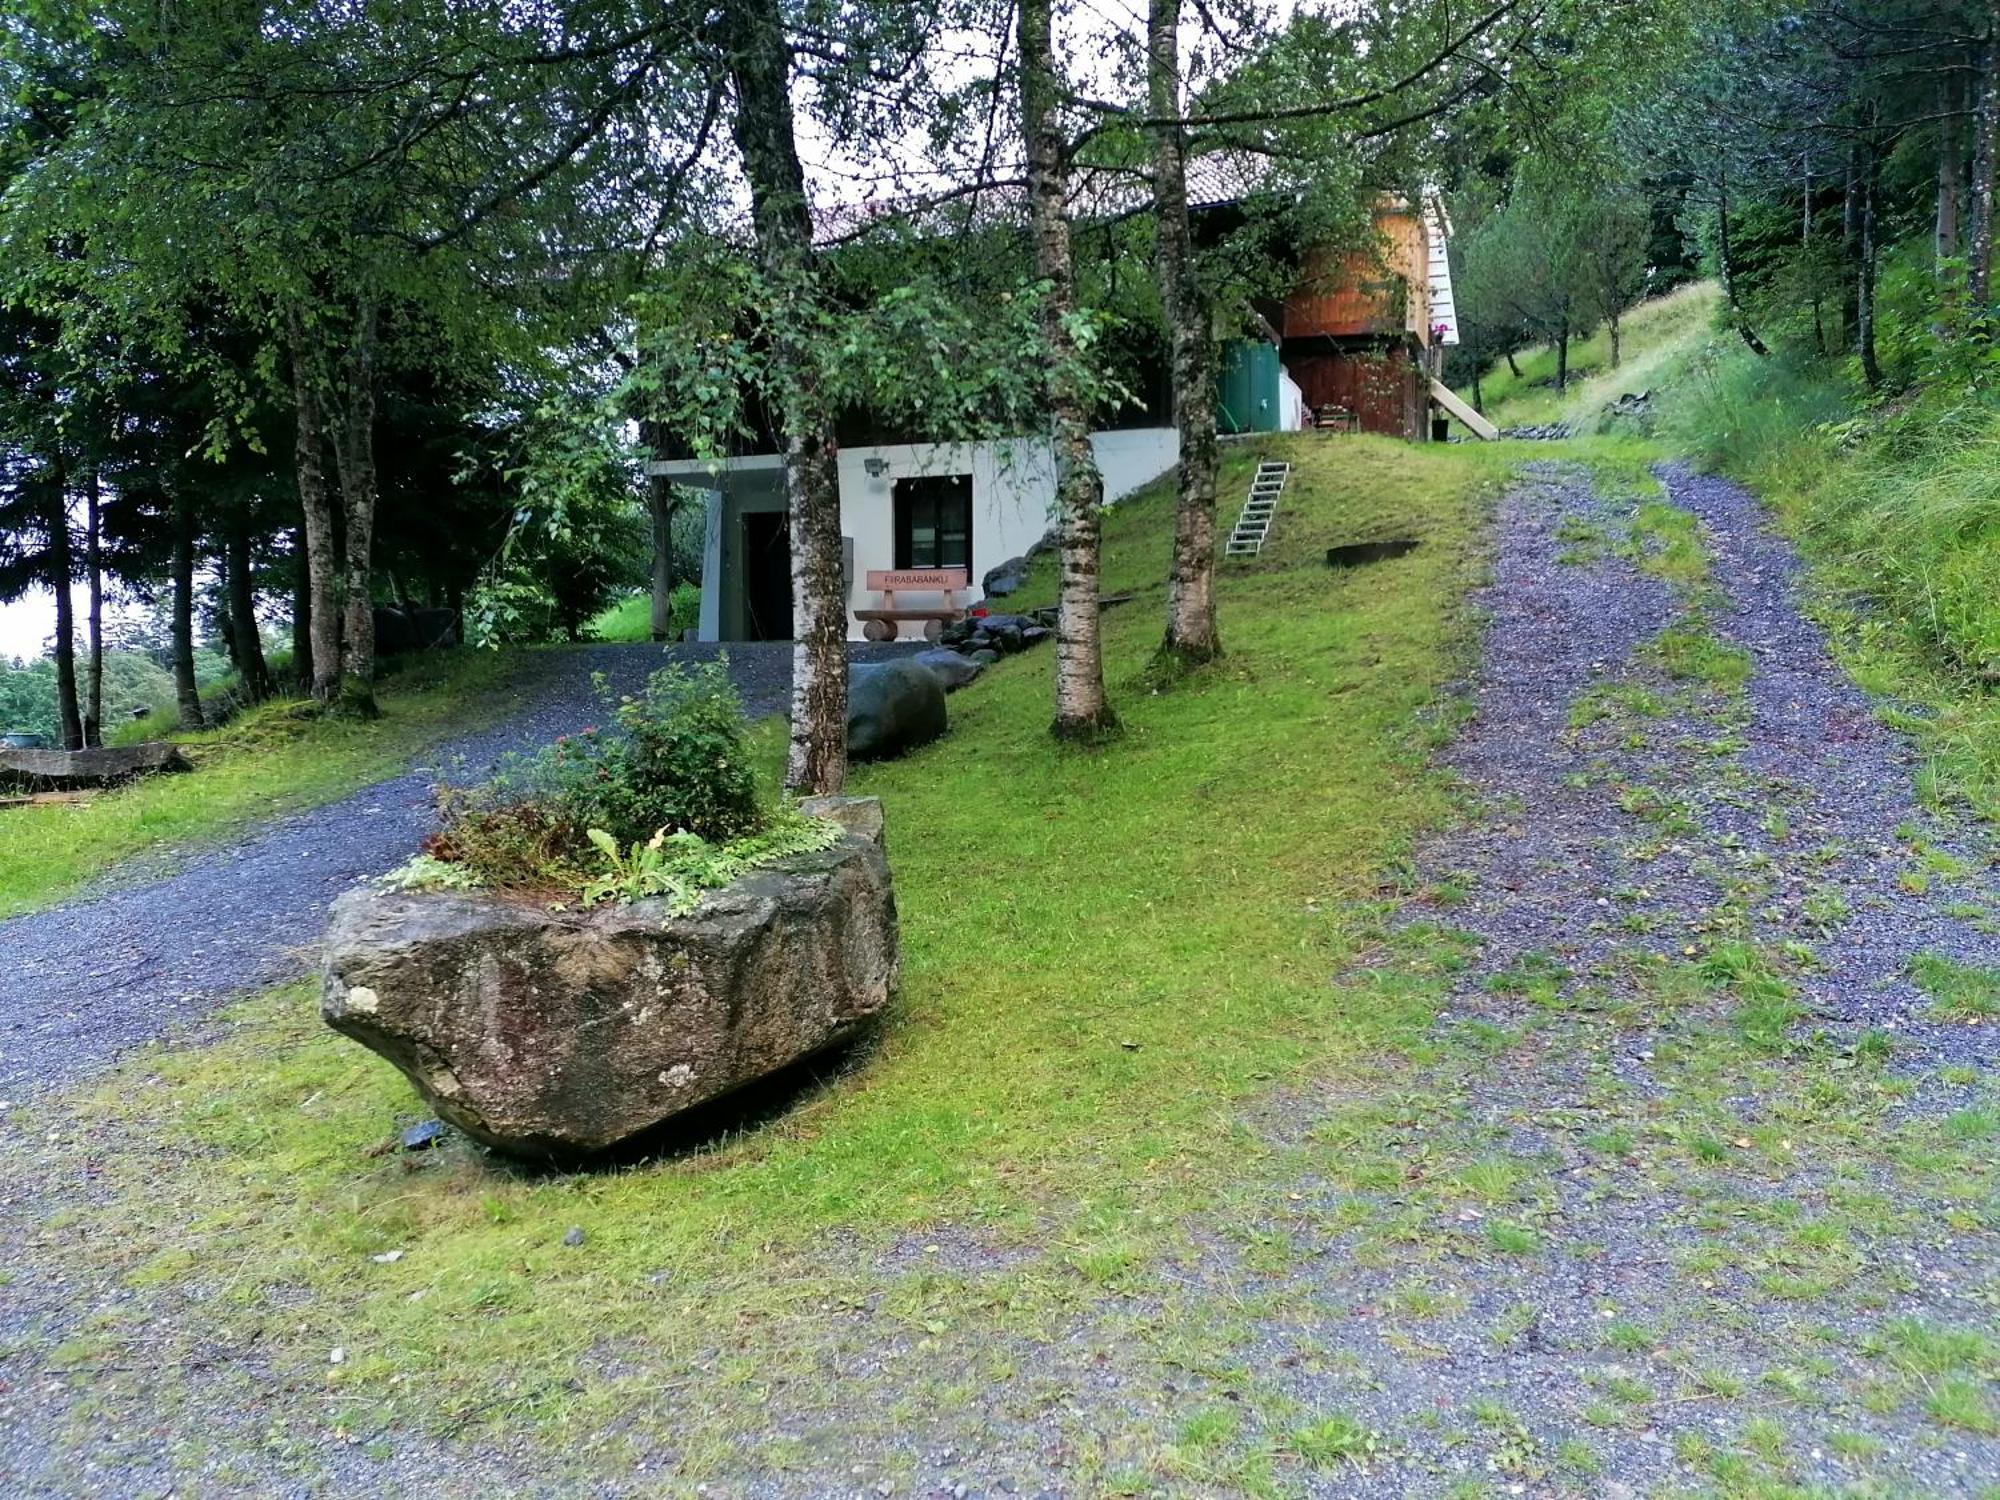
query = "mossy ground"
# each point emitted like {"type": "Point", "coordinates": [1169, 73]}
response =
{"type": "Point", "coordinates": [1107, 953]}
{"type": "Point", "coordinates": [1162, 1177]}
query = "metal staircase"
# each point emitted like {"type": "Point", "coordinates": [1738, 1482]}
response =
{"type": "Point", "coordinates": [1247, 540]}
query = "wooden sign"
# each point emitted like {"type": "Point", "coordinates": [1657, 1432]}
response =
{"type": "Point", "coordinates": [941, 579]}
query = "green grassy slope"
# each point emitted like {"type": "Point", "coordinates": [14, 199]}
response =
{"type": "Point", "coordinates": [1109, 954]}
{"type": "Point", "coordinates": [1656, 338]}
{"type": "Point", "coordinates": [631, 618]}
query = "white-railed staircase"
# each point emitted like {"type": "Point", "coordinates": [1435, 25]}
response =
{"type": "Point", "coordinates": [1259, 507]}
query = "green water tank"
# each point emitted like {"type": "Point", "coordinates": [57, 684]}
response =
{"type": "Point", "coordinates": [1246, 390]}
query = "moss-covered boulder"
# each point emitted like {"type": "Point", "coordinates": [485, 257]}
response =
{"type": "Point", "coordinates": [560, 1033]}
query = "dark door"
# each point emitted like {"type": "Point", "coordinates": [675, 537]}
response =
{"type": "Point", "coordinates": [767, 574]}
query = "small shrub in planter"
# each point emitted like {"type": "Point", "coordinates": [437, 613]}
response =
{"type": "Point", "coordinates": [664, 803]}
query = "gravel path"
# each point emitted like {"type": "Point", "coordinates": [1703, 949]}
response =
{"type": "Point", "coordinates": [113, 969]}
{"type": "Point", "coordinates": [1644, 1237]}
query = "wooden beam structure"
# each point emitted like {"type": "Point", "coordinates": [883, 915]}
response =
{"type": "Point", "coordinates": [1473, 423]}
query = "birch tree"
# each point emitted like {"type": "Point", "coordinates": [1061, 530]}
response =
{"type": "Point", "coordinates": [1193, 634]}
{"type": "Point", "coordinates": [766, 136]}
{"type": "Point", "coordinates": [1083, 712]}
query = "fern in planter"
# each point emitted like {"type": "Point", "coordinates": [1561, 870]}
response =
{"type": "Point", "coordinates": [681, 866]}
{"type": "Point", "coordinates": [573, 821]}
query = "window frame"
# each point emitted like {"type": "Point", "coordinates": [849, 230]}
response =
{"type": "Point", "coordinates": [937, 492]}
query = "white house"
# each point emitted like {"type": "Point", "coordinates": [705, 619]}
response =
{"type": "Point", "coordinates": [902, 505]}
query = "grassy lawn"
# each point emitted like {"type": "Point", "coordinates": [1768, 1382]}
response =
{"type": "Point", "coordinates": [1110, 956]}
{"type": "Point", "coordinates": [631, 618]}
{"type": "Point", "coordinates": [276, 759]}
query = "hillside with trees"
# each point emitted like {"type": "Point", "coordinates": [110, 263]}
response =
{"type": "Point", "coordinates": [1424, 921]}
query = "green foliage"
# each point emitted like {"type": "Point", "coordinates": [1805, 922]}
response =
{"type": "Point", "coordinates": [631, 618]}
{"type": "Point", "coordinates": [680, 866]}
{"type": "Point", "coordinates": [426, 872]}
{"type": "Point", "coordinates": [501, 838]}
{"type": "Point", "coordinates": [949, 351]}
{"type": "Point", "coordinates": [1335, 1439]}
{"type": "Point", "coordinates": [673, 782]}
{"type": "Point", "coordinates": [679, 762]}
{"type": "Point", "coordinates": [578, 537]}
{"type": "Point", "coordinates": [131, 682]}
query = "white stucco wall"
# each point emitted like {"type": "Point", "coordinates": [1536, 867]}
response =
{"type": "Point", "coordinates": [1013, 503]}
{"type": "Point", "coordinates": [1291, 402]}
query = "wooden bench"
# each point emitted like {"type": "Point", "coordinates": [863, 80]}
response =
{"type": "Point", "coordinates": [881, 623]}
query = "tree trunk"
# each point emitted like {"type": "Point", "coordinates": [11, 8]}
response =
{"type": "Point", "coordinates": [1512, 368]}
{"type": "Point", "coordinates": [1478, 400]}
{"type": "Point", "coordinates": [1850, 244]}
{"type": "Point", "coordinates": [1728, 268]}
{"type": "Point", "coordinates": [1871, 368]}
{"type": "Point", "coordinates": [1082, 711]}
{"type": "Point", "coordinates": [1805, 244]}
{"type": "Point", "coordinates": [663, 505]}
{"type": "Point", "coordinates": [302, 613]}
{"type": "Point", "coordinates": [766, 137]}
{"type": "Point", "coordinates": [62, 570]}
{"type": "Point", "coordinates": [354, 454]}
{"type": "Point", "coordinates": [241, 600]}
{"type": "Point", "coordinates": [187, 696]}
{"type": "Point", "coordinates": [1617, 347]}
{"type": "Point", "coordinates": [93, 701]}
{"type": "Point", "coordinates": [1950, 178]}
{"type": "Point", "coordinates": [1562, 357]}
{"type": "Point", "coordinates": [1986, 137]}
{"type": "Point", "coordinates": [322, 670]}
{"type": "Point", "coordinates": [1193, 636]}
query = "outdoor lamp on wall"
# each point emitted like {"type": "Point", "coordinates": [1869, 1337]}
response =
{"type": "Point", "coordinates": [876, 467]}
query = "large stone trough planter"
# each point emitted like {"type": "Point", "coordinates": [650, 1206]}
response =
{"type": "Point", "coordinates": [557, 1034]}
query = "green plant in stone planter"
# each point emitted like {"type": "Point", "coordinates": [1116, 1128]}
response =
{"type": "Point", "coordinates": [663, 803]}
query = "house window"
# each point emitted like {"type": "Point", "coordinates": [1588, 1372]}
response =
{"type": "Point", "coordinates": [934, 522]}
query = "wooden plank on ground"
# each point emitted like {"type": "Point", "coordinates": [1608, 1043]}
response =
{"type": "Point", "coordinates": [91, 767]}
{"type": "Point", "coordinates": [1446, 397]}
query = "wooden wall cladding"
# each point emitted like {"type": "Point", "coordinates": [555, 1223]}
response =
{"type": "Point", "coordinates": [1384, 387]}
{"type": "Point", "coordinates": [1359, 293]}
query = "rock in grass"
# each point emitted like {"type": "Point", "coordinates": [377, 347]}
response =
{"type": "Point", "coordinates": [952, 670]}
{"type": "Point", "coordinates": [1003, 636]}
{"type": "Point", "coordinates": [861, 816]}
{"type": "Point", "coordinates": [1005, 578]}
{"type": "Point", "coordinates": [423, 1137]}
{"type": "Point", "coordinates": [892, 706]}
{"type": "Point", "coordinates": [556, 1034]}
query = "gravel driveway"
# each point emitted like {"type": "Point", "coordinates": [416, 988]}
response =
{"type": "Point", "coordinates": [111, 970]}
